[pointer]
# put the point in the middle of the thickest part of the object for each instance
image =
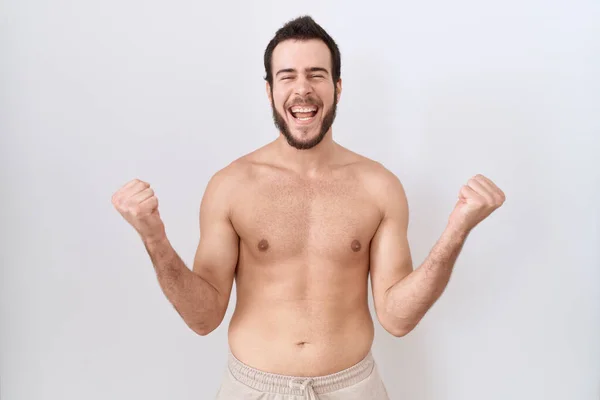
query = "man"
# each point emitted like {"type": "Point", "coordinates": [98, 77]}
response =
{"type": "Point", "coordinates": [300, 223]}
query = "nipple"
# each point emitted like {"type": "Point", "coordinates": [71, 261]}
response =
{"type": "Point", "coordinates": [263, 245]}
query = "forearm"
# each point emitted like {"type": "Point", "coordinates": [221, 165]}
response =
{"type": "Point", "coordinates": [196, 300]}
{"type": "Point", "coordinates": [407, 301]}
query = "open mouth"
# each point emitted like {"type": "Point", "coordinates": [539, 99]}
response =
{"type": "Point", "coordinates": [304, 114]}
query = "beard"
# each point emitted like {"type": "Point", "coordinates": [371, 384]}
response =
{"type": "Point", "coordinates": [325, 124]}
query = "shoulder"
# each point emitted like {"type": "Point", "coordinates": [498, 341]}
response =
{"type": "Point", "coordinates": [224, 184]}
{"type": "Point", "coordinates": [225, 178]}
{"type": "Point", "coordinates": [373, 174]}
{"type": "Point", "coordinates": [385, 187]}
{"type": "Point", "coordinates": [229, 181]}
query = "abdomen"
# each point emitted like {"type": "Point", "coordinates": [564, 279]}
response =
{"type": "Point", "coordinates": [307, 320]}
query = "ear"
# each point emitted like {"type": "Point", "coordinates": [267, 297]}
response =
{"type": "Point", "coordinates": [268, 88]}
{"type": "Point", "coordinates": [338, 85]}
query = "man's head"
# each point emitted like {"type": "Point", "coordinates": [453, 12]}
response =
{"type": "Point", "coordinates": [302, 65]}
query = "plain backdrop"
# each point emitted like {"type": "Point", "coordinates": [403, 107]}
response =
{"type": "Point", "coordinates": [96, 93]}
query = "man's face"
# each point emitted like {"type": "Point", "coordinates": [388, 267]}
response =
{"type": "Point", "coordinates": [303, 95]}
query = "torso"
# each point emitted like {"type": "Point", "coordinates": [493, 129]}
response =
{"type": "Point", "coordinates": [302, 273]}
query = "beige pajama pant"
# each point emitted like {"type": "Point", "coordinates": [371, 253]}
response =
{"type": "Point", "coordinates": [359, 382]}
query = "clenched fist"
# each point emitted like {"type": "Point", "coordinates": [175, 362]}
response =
{"type": "Point", "coordinates": [139, 206]}
{"type": "Point", "coordinates": [476, 201]}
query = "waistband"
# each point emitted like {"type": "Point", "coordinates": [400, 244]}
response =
{"type": "Point", "coordinates": [300, 385]}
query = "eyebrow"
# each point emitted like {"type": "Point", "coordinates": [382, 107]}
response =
{"type": "Point", "coordinates": [312, 69]}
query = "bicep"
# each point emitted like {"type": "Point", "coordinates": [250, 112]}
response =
{"type": "Point", "coordinates": [217, 254]}
{"type": "Point", "coordinates": [390, 256]}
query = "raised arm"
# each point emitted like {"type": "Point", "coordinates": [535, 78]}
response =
{"type": "Point", "coordinates": [391, 259]}
{"type": "Point", "coordinates": [217, 253]}
{"type": "Point", "coordinates": [403, 296]}
{"type": "Point", "coordinates": [200, 296]}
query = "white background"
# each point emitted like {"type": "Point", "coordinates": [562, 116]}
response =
{"type": "Point", "coordinates": [95, 93]}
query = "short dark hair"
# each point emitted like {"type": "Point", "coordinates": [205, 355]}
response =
{"type": "Point", "coordinates": [303, 28]}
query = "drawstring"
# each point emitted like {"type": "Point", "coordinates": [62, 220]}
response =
{"type": "Point", "coordinates": [306, 386]}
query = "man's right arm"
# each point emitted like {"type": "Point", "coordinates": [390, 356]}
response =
{"type": "Point", "coordinates": [201, 296]}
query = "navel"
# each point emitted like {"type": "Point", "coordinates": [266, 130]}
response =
{"type": "Point", "coordinates": [263, 245]}
{"type": "Point", "coordinates": [355, 246]}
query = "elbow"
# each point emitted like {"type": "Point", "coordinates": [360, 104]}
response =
{"type": "Point", "coordinates": [202, 329]}
{"type": "Point", "coordinates": [205, 326]}
{"type": "Point", "coordinates": [397, 332]}
{"type": "Point", "coordinates": [397, 329]}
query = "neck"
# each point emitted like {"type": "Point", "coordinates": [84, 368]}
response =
{"type": "Point", "coordinates": [309, 161]}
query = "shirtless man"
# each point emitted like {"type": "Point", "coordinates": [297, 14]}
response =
{"type": "Point", "coordinates": [300, 224]}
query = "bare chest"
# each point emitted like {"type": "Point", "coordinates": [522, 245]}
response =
{"type": "Point", "coordinates": [331, 220]}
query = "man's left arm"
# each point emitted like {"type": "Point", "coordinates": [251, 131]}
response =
{"type": "Point", "coordinates": [402, 295]}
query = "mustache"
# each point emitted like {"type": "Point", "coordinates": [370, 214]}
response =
{"type": "Point", "coordinates": [308, 101]}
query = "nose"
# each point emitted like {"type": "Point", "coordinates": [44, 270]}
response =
{"type": "Point", "coordinates": [303, 87]}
